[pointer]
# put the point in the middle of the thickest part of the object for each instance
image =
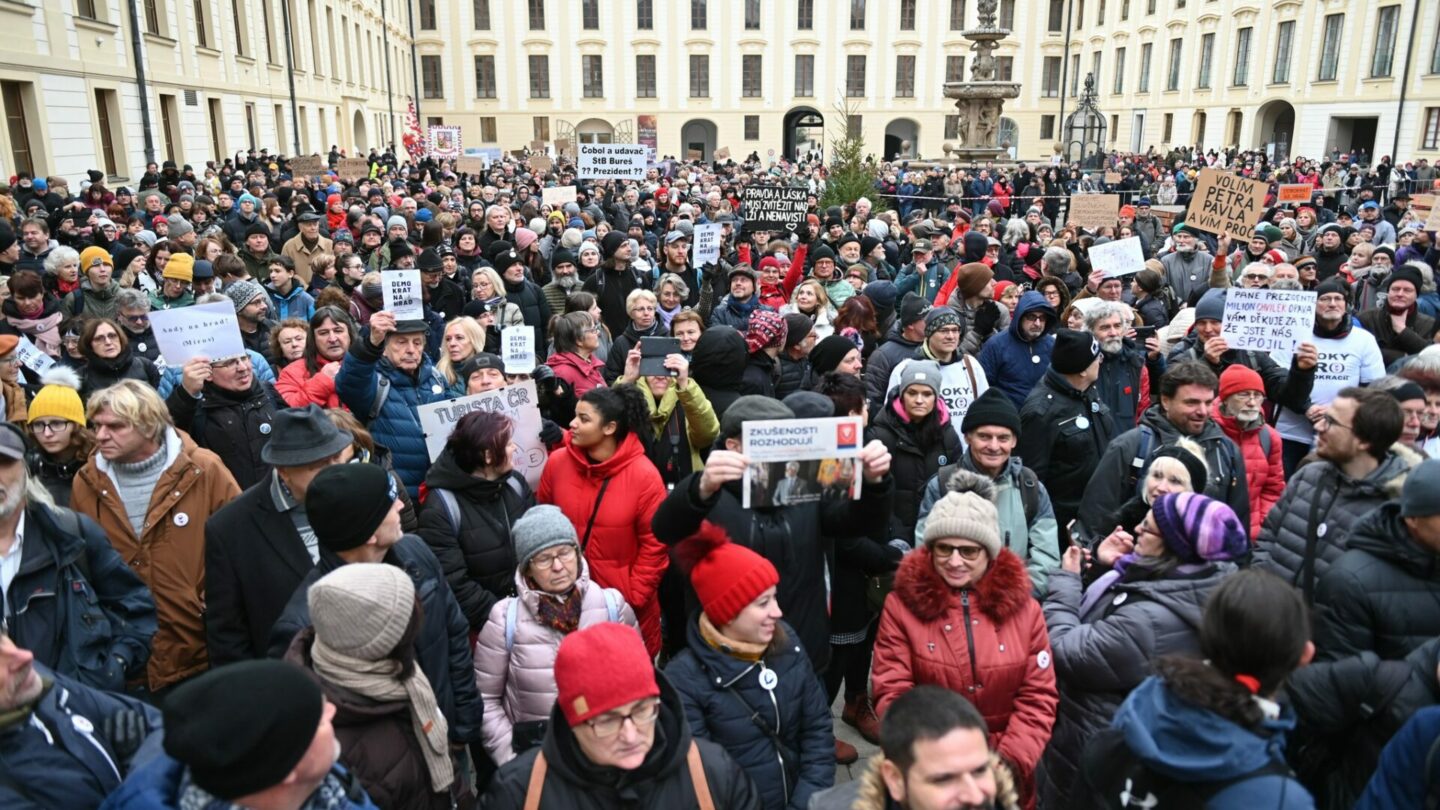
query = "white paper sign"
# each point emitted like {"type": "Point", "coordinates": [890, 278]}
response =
{"type": "Point", "coordinates": [707, 244]}
{"type": "Point", "coordinates": [796, 461]}
{"type": "Point", "coordinates": [1121, 257]}
{"type": "Point", "coordinates": [611, 161]}
{"type": "Point", "coordinates": [402, 294]}
{"type": "Point", "coordinates": [207, 330]}
{"type": "Point", "coordinates": [519, 402]}
{"type": "Point", "coordinates": [556, 196]}
{"type": "Point", "coordinates": [517, 346]}
{"type": "Point", "coordinates": [31, 357]}
{"type": "Point", "coordinates": [1268, 321]}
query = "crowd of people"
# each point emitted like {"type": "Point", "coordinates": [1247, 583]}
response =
{"type": "Point", "coordinates": [1087, 554]}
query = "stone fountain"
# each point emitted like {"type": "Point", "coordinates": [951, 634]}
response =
{"type": "Point", "coordinates": [981, 100]}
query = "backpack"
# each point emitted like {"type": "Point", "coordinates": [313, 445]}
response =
{"type": "Point", "coordinates": [1116, 778]}
{"type": "Point", "coordinates": [1147, 437]}
{"type": "Point", "coordinates": [517, 484]}
{"type": "Point", "coordinates": [1166, 296]}
{"type": "Point", "coordinates": [512, 614]}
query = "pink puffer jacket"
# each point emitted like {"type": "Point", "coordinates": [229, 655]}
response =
{"type": "Point", "coordinates": [518, 684]}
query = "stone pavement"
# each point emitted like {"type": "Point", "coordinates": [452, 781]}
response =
{"type": "Point", "coordinates": [844, 773]}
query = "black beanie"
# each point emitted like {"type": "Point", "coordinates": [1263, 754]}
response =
{"type": "Point", "coordinates": [1334, 284]}
{"type": "Point", "coordinates": [1406, 273]}
{"type": "Point", "coordinates": [257, 229]}
{"type": "Point", "coordinates": [828, 353]}
{"type": "Point", "coordinates": [992, 408]}
{"type": "Point", "coordinates": [798, 326]}
{"type": "Point", "coordinates": [1074, 351]}
{"type": "Point", "coordinates": [7, 238]}
{"type": "Point", "coordinates": [822, 251]}
{"type": "Point", "coordinates": [563, 256]}
{"type": "Point", "coordinates": [1193, 465]}
{"type": "Point", "coordinates": [346, 503]}
{"type": "Point", "coordinates": [611, 243]}
{"type": "Point", "coordinates": [123, 257]}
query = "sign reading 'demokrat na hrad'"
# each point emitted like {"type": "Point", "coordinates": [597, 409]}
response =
{"type": "Point", "coordinates": [612, 161]}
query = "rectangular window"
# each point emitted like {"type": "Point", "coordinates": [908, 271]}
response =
{"type": "Point", "coordinates": [907, 15]}
{"type": "Point", "coordinates": [86, 9]}
{"type": "Point", "coordinates": [1075, 75]}
{"type": "Point", "coordinates": [431, 78]}
{"type": "Point", "coordinates": [280, 125]}
{"type": "Point", "coordinates": [202, 37]}
{"type": "Point", "coordinates": [238, 18]}
{"type": "Point", "coordinates": [487, 129]}
{"type": "Point", "coordinates": [1047, 127]}
{"type": "Point", "coordinates": [752, 127]}
{"type": "Point", "coordinates": [1124, 10]}
{"type": "Point", "coordinates": [698, 15]}
{"type": "Point", "coordinates": [1149, 7]}
{"type": "Point", "coordinates": [857, 15]}
{"type": "Point", "coordinates": [269, 40]}
{"type": "Point", "coordinates": [853, 126]}
{"type": "Point", "coordinates": [645, 75]}
{"type": "Point", "coordinates": [1055, 21]}
{"type": "Point", "coordinates": [1005, 68]}
{"type": "Point", "coordinates": [1242, 57]}
{"type": "Point", "coordinates": [104, 116]}
{"type": "Point", "coordinates": [1100, 13]}
{"type": "Point", "coordinates": [1284, 42]}
{"type": "Point", "coordinates": [1119, 70]}
{"type": "Point", "coordinates": [804, 75]}
{"type": "Point", "coordinates": [952, 127]}
{"type": "Point", "coordinates": [1146, 49]}
{"type": "Point", "coordinates": [645, 15]}
{"type": "Point", "coordinates": [957, 17]}
{"type": "Point", "coordinates": [699, 75]}
{"type": "Point", "coordinates": [1383, 62]}
{"type": "Point", "coordinates": [590, 15]}
{"type": "Point", "coordinates": [1007, 14]}
{"type": "Point", "coordinates": [1172, 79]}
{"type": "Point", "coordinates": [539, 76]}
{"type": "Point", "coordinates": [1168, 129]}
{"type": "Point", "coordinates": [752, 15]}
{"type": "Point", "coordinates": [1435, 57]}
{"type": "Point", "coordinates": [484, 76]}
{"type": "Point", "coordinates": [217, 142]}
{"type": "Point", "coordinates": [855, 75]}
{"type": "Point", "coordinates": [592, 70]}
{"type": "Point", "coordinates": [1207, 53]}
{"type": "Point", "coordinates": [905, 76]}
{"type": "Point", "coordinates": [1079, 18]}
{"type": "Point", "coordinates": [427, 15]}
{"type": "Point", "coordinates": [805, 15]}
{"type": "Point", "coordinates": [750, 75]}
{"type": "Point", "coordinates": [1330, 47]}
{"type": "Point", "coordinates": [169, 112]}
{"type": "Point", "coordinates": [540, 128]}
{"type": "Point", "coordinates": [954, 69]}
{"type": "Point", "coordinates": [481, 14]}
{"type": "Point", "coordinates": [12, 94]}
{"type": "Point", "coordinates": [537, 14]}
{"type": "Point", "coordinates": [1050, 78]}
{"type": "Point", "coordinates": [1095, 67]}
{"type": "Point", "coordinates": [1431, 137]}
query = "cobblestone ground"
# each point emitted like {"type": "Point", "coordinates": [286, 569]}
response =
{"type": "Point", "coordinates": [844, 773]}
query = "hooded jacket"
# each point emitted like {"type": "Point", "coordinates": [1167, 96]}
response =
{"type": "Point", "coordinates": [1013, 363]}
{"type": "Point", "coordinates": [1264, 474]}
{"type": "Point", "coordinates": [1407, 773]}
{"type": "Point", "coordinates": [913, 460]}
{"type": "Point", "coordinates": [1063, 435]}
{"type": "Point", "coordinates": [397, 424]}
{"type": "Point", "coordinates": [895, 350]}
{"type": "Point", "coordinates": [717, 363]}
{"type": "Point", "coordinates": [616, 500]}
{"type": "Point", "coordinates": [580, 373]}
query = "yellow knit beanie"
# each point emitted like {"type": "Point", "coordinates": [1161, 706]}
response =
{"type": "Point", "coordinates": [59, 398]}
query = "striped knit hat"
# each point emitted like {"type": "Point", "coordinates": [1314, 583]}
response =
{"type": "Point", "coordinates": [1198, 528]}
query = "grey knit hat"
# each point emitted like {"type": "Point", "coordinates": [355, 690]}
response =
{"type": "Point", "coordinates": [965, 516]}
{"type": "Point", "coordinates": [541, 527]}
{"type": "Point", "coordinates": [396, 221]}
{"type": "Point", "coordinates": [243, 292]}
{"type": "Point", "coordinates": [179, 226]}
{"type": "Point", "coordinates": [362, 609]}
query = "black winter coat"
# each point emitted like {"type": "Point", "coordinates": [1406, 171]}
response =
{"type": "Point", "coordinates": [1382, 595]}
{"type": "Point", "coordinates": [621, 346]}
{"type": "Point", "coordinates": [442, 648]}
{"type": "Point", "coordinates": [1287, 388]}
{"type": "Point", "coordinates": [761, 374]}
{"type": "Point", "coordinates": [478, 556]}
{"type": "Point", "coordinates": [235, 427]}
{"type": "Point", "coordinates": [1063, 433]}
{"type": "Point", "coordinates": [795, 375]}
{"type": "Point", "coordinates": [717, 363]}
{"type": "Point", "coordinates": [913, 460]}
{"type": "Point", "coordinates": [100, 374]}
{"type": "Point", "coordinates": [448, 299]}
{"type": "Point", "coordinates": [661, 782]}
{"type": "Point", "coordinates": [533, 307]}
{"type": "Point", "coordinates": [795, 710]}
{"type": "Point", "coordinates": [55, 475]}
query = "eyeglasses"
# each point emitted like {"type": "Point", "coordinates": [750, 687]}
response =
{"type": "Point", "coordinates": [1325, 423]}
{"type": "Point", "coordinates": [944, 551]}
{"type": "Point", "coordinates": [136, 319]}
{"type": "Point", "coordinates": [1254, 395]}
{"type": "Point", "coordinates": [565, 554]}
{"type": "Point", "coordinates": [643, 716]}
{"type": "Point", "coordinates": [106, 337]}
{"type": "Point", "coordinates": [50, 426]}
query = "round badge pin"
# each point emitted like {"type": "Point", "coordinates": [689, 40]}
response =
{"type": "Point", "coordinates": [141, 347]}
{"type": "Point", "coordinates": [436, 389]}
{"type": "Point", "coordinates": [1094, 407]}
{"type": "Point", "coordinates": [769, 680]}
{"type": "Point", "coordinates": [265, 428]}
{"type": "Point", "coordinates": [1082, 423]}
{"type": "Point", "coordinates": [1035, 358]}
{"type": "Point", "coordinates": [181, 519]}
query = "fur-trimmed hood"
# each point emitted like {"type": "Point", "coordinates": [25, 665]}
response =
{"type": "Point", "coordinates": [870, 794]}
{"type": "Point", "coordinates": [1000, 594]}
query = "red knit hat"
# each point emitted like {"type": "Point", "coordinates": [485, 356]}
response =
{"type": "Point", "coordinates": [726, 576]}
{"type": "Point", "coordinates": [600, 668]}
{"type": "Point", "coordinates": [1239, 378]}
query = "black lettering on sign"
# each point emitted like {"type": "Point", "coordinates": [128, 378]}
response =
{"type": "Point", "coordinates": [774, 208]}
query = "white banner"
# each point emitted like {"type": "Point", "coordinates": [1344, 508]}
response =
{"type": "Point", "coordinates": [707, 244]}
{"type": "Point", "coordinates": [611, 161]}
{"type": "Point", "coordinates": [556, 196]}
{"type": "Point", "coordinates": [206, 330]}
{"type": "Point", "coordinates": [519, 402]}
{"type": "Point", "coordinates": [1270, 321]}
{"type": "Point", "coordinates": [31, 357]}
{"type": "Point", "coordinates": [402, 296]}
{"type": "Point", "coordinates": [1121, 257]}
{"type": "Point", "coordinates": [796, 461]}
{"type": "Point", "coordinates": [517, 346]}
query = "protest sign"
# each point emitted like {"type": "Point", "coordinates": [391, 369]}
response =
{"type": "Point", "coordinates": [1113, 178]}
{"type": "Point", "coordinates": [519, 402]}
{"type": "Point", "coordinates": [706, 249]}
{"type": "Point", "coordinates": [562, 146]}
{"type": "Point", "coordinates": [31, 357]}
{"type": "Point", "coordinates": [445, 142]}
{"type": "Point", "coordinates": [694, 154]}
{"type": "Point", "coordinates": [1094, 210]}
{"type": "Point", "coordinates": [204, 330]}
{"type": "Point", "coordinates": [775, 208]}
{"type": "Point", "coordinates": [612, 161]}
{"type": "Point", "coordinates": [1118, 258]}
{"type": "Point", "coordinates": [723, 153]}
{"type": "Point", "coordinates": [537, 146]}
{"type": "Point", "coordinates": [1421, 205]}
{"type": "Point", "coordinates": [401, 290]}
{"type": "Point", "coordinates": [556, 196]}
{"type": "Point", "coordinates": [470, 165]}
{"type": "Point", "coordinates": [1432, 222]}
{"type": "Point", "coordinates": [517, 348]}
{"type": "Point", "coordinates": [1270, 321]}
{"type": "Point", "coordinates": [801, 460]}
{"type": "Point", "coordinates": [351, 168]}
{"type": "Point", "coordinates": [1226, 203]}
{"type": "Point", "coordinates": [307, 166]}
{"type": "Point", "coordinates": [541, 163]}
{"type": "Point", "coordinates": [1294, 193]}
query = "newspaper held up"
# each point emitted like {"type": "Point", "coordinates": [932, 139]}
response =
{"type": "Point", "coordinates": [795, 461]}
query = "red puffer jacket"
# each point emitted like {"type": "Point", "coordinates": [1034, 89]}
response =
{"type": "Point", "coordinates": [622, 550]}
{"type": "Point", "coordinates": [1002, 664]}
{"type": "Point", "coordinates": [1264, 476]}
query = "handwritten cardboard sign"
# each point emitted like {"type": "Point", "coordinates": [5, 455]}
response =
{"type": "Point", "coordinates": [1270, 321]}
{"type": "Point", "coordinates": [775, 208]}
{"type": "Point", "coordinates": [517, 348]}
{"type": "Point", "coordinates": [612, 161]}
{"type": "Point", "coordinates": [352, 168]}
{"type": "Point", "coordinates": [541, 163]}
{"type": "Point", "coordinates": [205, 330]}
{"type": "Point", "coordinates": [1289, 193]}
{"type": "Point", "coordinates": [556, 196]}
{"type": "Point", "coordinates": [1226, 203]}
{"type": "Point", "coordinates": [307, 166]}
{"type": "Point", "coordinates": [401, 290]}
{"type": "Point", "coordinates": [1113, 178]}
{"type": "Point", "coordinates": [706, 250]}
{"type": "Point", "coordinates": [470, 165]}
{"type": "Point", "coordinates": [723, 153]}
{"type": "Point", "coordinates": [1425, 211]}
{"type": "Point", "coordinates": [519, 402]}
{"type": "Point", "coordinates": [1118, 258]}
{"type": "Point", "coordinates": [1094, 210]}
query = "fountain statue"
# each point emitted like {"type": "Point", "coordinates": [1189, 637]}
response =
{"type": "Point", "coordinates": [980, 101]}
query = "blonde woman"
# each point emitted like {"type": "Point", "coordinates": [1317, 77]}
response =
{"type": "Point", "coordinates": [811, 300]}
{"type": "Point", "coordinates": [641, 306]}
{"type": "Point", "coordinates": [488, 295]}
{"type": "Point", "coordinates": [464, 338]}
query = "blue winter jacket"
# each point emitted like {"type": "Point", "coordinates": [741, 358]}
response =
{"type": "Point", "coordinates": [156, 786]}
{"type": "Point", "coordinates": [59, 757]}
{"type": "Point", "coordinates": [1013, 364]}
{"type": "Point", "coordinates": [396, 424]}
{"type": "Point", "coordinates": [297, 304]}
{"type": "Point", "coordinates": [795, 709]}
{"type": "Point", "coordinates": [1409, 770]}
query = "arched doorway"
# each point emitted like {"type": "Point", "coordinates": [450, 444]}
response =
{"type": "Point", "coordinates": [804, 132]}
{"type": "Point", "coordinates": [1275, 124]}
{"type": "Point", "coordinates": [595, 130]}
{"type": "Point", "coordinates": [698, 139]}
{"type": "Point", "coordinates": [362, 138]}
{"type": "Point", "coordinates": [902, 139]}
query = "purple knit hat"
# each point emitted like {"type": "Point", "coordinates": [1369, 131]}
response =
{"type": "Point", "coordinates": [1197, 528]}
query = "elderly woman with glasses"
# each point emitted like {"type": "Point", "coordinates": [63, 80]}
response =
{"type": "Point", "coordinates": [962, 617]}
{"type": "Point", "coordinates": [109, 359]}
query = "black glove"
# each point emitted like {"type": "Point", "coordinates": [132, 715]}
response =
{"type": "Point", "coordinates": [550, 432]}
{"type": "Point", "coordinates": [987, 316]}
{"type": "Point", "coordinates": [125, 730]}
